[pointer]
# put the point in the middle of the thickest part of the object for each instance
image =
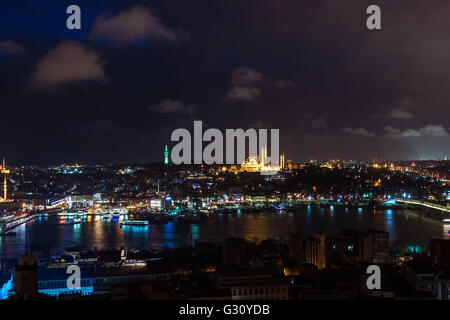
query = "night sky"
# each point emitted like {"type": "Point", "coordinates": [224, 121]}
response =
{"type": "Point", "coordinates": [115, 90]}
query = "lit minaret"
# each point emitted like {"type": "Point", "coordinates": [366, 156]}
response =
{"type": "Point", "coordinates": [166, 156]}
{"type": "Point", "coordinates": [282, 161]}
{"type": "Point", "coordinates": [263, 156]}
{"type": "Point", "coordinates": [5, 183]}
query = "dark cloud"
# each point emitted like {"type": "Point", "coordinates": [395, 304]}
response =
{"type": "Point", "coordinates": [68, 62]}
{"type": "Point", "coordinates": [245, 76]}
{"type": "Point", "coordinates": [11, 48]}
{"type": "Point", "coordinates": [358, 132]}
{"type": "Point", "coordinates": [319, 123]}
{"type": "Point", "coordinates": [243, 93]}
{"type": "Point", "coordinates": [399, 113]}
{"type": "Point", "coordinates": [137, 23]}
{"type": "Point", "coordinates": [168, 106]}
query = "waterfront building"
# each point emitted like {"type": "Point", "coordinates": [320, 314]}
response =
{"type": "Point", "coordinates": [32, 282]}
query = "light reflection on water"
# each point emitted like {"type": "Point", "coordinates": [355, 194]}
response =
{"type": "Point", "coordinates": [50, 235]}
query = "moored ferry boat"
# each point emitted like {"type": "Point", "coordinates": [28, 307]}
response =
{"type": "Point", "coordinates": [140, 223]}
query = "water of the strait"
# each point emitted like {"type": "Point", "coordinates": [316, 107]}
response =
{"type": "Point", "coordinates": [50, 236]}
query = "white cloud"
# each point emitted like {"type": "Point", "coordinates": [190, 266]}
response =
{"type": "Point", "coordinates": [246, 83]}
{"type": "Point", "coordinates": [243, 81]}
{"type": "Point", "coordinates": [245, 76]}
{"type": "Point", "coordinates": [137, 23]}
{"type": "Point", "coordinates": [243, 93]}
{"type": "Point", "coordinates": [427, 131]}
{"type": "Point", "coordinates": [399, 113]}
{"type": "Point", "coordinates": [68, 62]}
{"type": "Point", "coordinates": [358, 132]}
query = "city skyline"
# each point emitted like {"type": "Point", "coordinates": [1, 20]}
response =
{"type": "Point", "coordinates": [214, 152]}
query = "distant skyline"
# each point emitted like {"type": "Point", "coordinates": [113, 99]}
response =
{"type": "Point", "coordinates": [161, 162]}
{"type": "Point", "coordinates": [116, 89]}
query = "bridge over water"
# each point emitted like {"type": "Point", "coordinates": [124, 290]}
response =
{"type": "Point", "coordinates": [438, 211]}
{"type": "Point", "coordinates": [425, 204]}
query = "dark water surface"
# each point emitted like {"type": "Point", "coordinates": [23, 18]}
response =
{"type": "Point", "coordinates": [405, 226]}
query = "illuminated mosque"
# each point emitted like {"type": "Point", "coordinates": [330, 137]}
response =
{"type": "Point", "coordinates": [259, 164]}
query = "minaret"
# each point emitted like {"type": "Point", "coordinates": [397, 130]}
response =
{"type": "Point", "coordinates": [263, 159]}
{"type": "Point", "coordinates": [166, 156]}
{"type": "Point", "coordinates": [263, 156]}
{"type": "Point", "coordinates": [5, 183]}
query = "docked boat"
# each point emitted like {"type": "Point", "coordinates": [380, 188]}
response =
{"type": "Point", "coordinates": [107, 217]}
{"type": "Point", "coordinates": [72, 221]}
{"type": "Point", "coordinates": [140, 223]}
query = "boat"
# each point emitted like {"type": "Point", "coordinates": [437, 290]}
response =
{"type": "Point", "coordinates": [73, 221]}
{"type": "Point", "coordinates": [140, 223]}
{"type": "Point", "coordinates": [42, 214]}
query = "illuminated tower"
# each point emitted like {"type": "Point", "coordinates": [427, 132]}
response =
{"type": "Point", "coordinates": [166, 156]}
{"type": "Point", "coordinates": [263, 157]}
{"type": "Point", "coordinates": [5, 183]}
{"type": "Point", "coordinates": [282, 161]}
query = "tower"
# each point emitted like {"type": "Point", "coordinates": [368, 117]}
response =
{"type": "Point", "coordinates": [5, 183]}
{"type": "Point", "coordinates": [282, 161]}
{"type": "Point", "coordinates": [166, 156]}
{"type": "Point", "coordinates": [26, 278]}
{"type": "Point", "coordinates": [263, 157]}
